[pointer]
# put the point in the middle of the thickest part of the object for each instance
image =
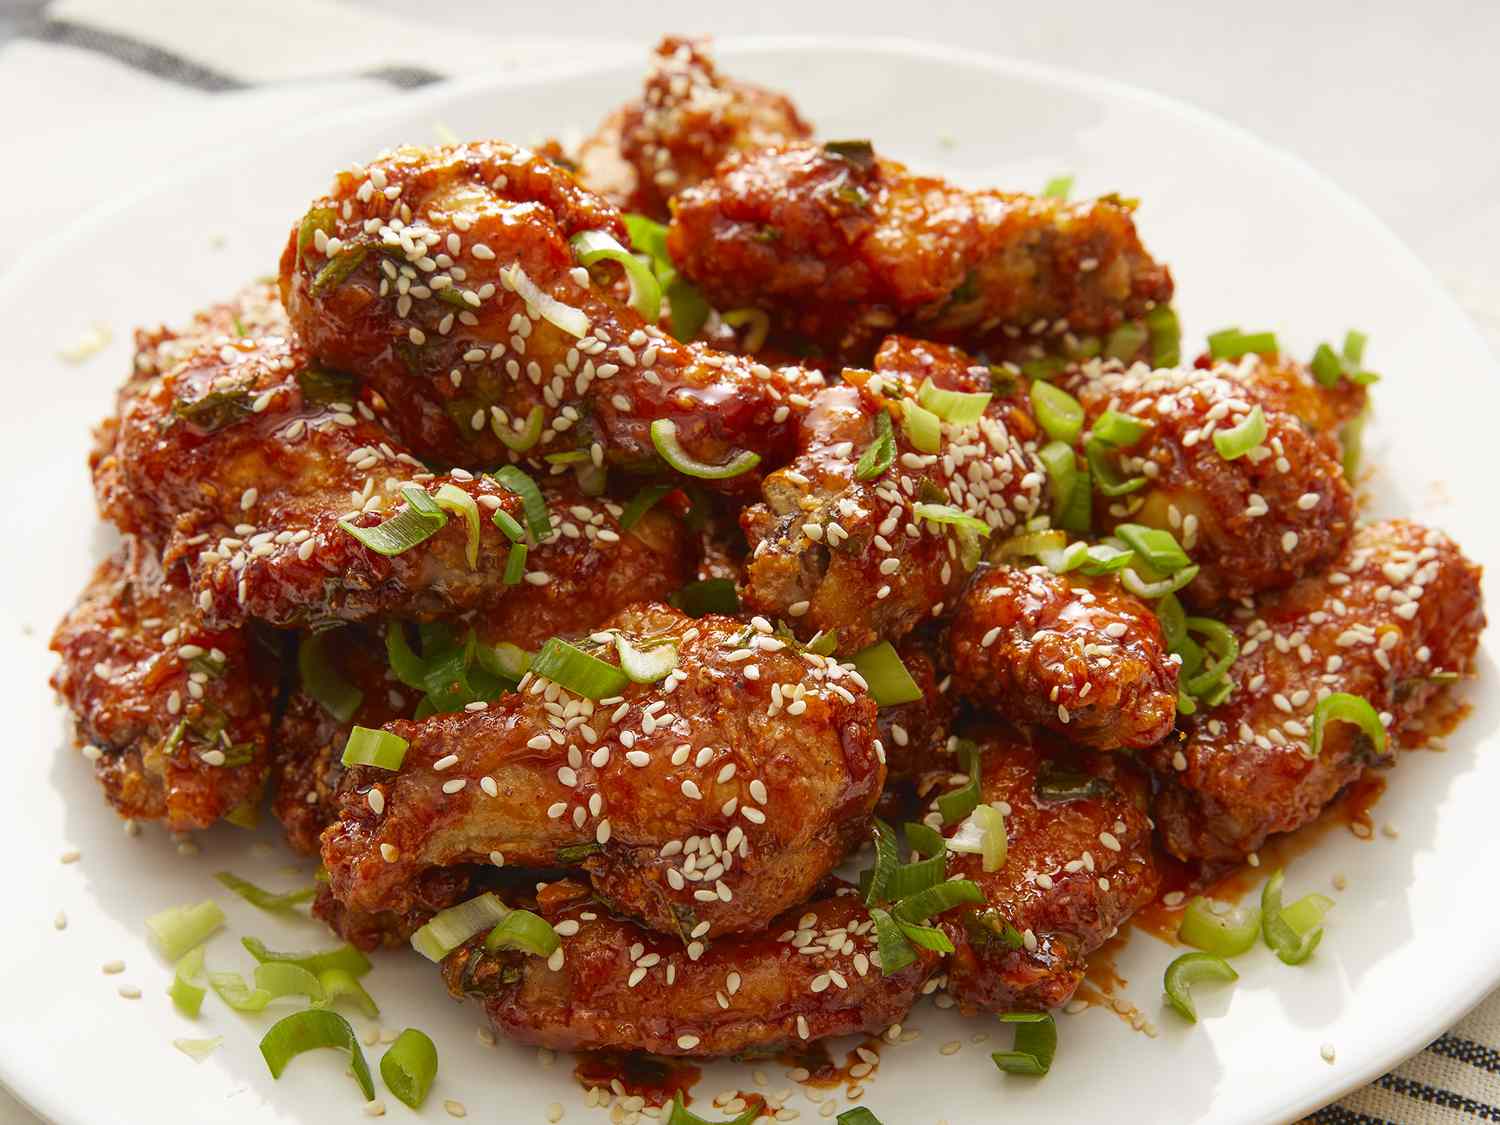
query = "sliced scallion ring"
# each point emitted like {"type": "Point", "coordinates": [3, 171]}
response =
{"type": "Point", "coordinates": [1035, 1044]}
{"type": "Point", "coordinates": [1106, 477]}
{"type": "Point", "coordinates": [1166, 336]}
{"type": "Point", "coordinates": [909, 878]}
{"type": "Point", "coordinates": [934, 900]}
{"type": "Point", "coordinates": [454, 499]}
{"type": "Point", "coordinates": [1059, 413]}
{"type": "Point", "coordinates": [928, 937]}
{"type": "Point", "coordinates": [509, 526]}
{"type": "Point", "coordinates": [1149, 591]}
{"type": "Point", "coordinates": [187, 997]}
{"type": "Point", "coordinates": [198, 1049]}
{"type": "Point", "coordinates": [1058, 187]}
{"type": "Point", "coordinates": [344, 957]}
{"type": "Point", "coordinates": [1231, 343]}
{"type": "Point", "coordinates": [1292, 943]}
{"type": "Point", "coordinates": [306, 1031]}
{"type": "Point", "coordinates": [982, 833]}
{"type": "Point", "coordinates": [1228, 934]}
{"type": "Point", "coordinates": [641, 503]}
{"type": "Point", "coordinates": [885, 676]}
{"type": "Point", "coordinates": [416, 523]}
{"type": "Point", "coordinates": [1158, 548]}
{"type": "Point", "coordinates": [1126, 341]}
{"type": "Point", "coordinates": [379, 748]}
{"type": "Point", "coordinates": [923, 839]}
{"type": "Point", "coordinates": [958, 408]}
{"type": "Point", "coordinates": [921, 426]}
{"type": "Point", "coordinates": [593, 246]}
{"type": "Point", "coordinates": [859, 1115]}
{"type": "Point", "coordinates": [664, 437]}
{"type": "Point", "coordinates": [646, 664]}
{"type": "Point", "coordinates": [1032, 543]}
{"type": "Point", "coordinates": [1119, 430]}
{"type": "Point", "coordinates": [896, 952]}
{"type": "Point", "coordinates": [409, 1066]}
{"type": "Point", "coordinates": [450, 928]}
{"type": "Point", "coordinates": [574, 322]}
{"type": "Point", "coordinates": [1062, 474]}
{"type": "Point", "coordinates": [880, 453]}
{"type": "Point", "coordinates": [1239, 440]}
{"type": "Point", "coordinates": [338, 983]}
{"type": "Point", "coordinates": [958, 804]}
{"type": "Point", "coordinates": [260, 897]}
{"type": "Point", "coordinates": [523, 486]}
{"type": "Point", "coordinates": [520, 441]}
{"type": "Point", "coordinates": [1341, 707]}
{"type": "Point", "coordinates": [760, 327]}
{"type": "Point", "coordinates": [179, 929]}
{"type": "Point", "coordinates": [577, 671]}
{"type": "Point", "coordinates": [886, 862]}
{"type": "Point", "coordinates": [1104, 558]}
{"type": "Point", "coordinates": [322, 680]}
{"type": "Point", "coordinates": [1224, 646]}
{"type": "Point", "coordinates": [523, 930]}
{"type": "Point", "coordinates": [947, 513]}
{"type": "Point", "coordinates": [681, 1115]}
{"type": "Point", "coordinates": [515, 564]}
{"type": "Point", "coordinates": [1191, 969]}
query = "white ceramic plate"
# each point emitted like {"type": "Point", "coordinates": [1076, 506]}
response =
{"type": "Point", "coordinates": [1254, 238]}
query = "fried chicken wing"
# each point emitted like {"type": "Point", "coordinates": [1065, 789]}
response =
{"type": "Point", "coordinates": [1399, 610]}
{"type": "Point", "coordinates": [445, 278]}
{"type": "Point", "coordinates": [714, 799]}
{"type": "Point", "coordinates": [841, 247]}
{"type": "Point", "coordinates": [1253, 523]}
{"type": "Point", "coordinates": [812, 973]}
{"type": "Point", "coordinates": [1079, 656]}
{"type": "Point", "coordinates": [837, 550]}
{"type": "Point", "coordinates": [174, 715]}
{"type": "Point", "coordinates": [915, 734]}
{"type": "Point", "coordinates": [1077, 865]}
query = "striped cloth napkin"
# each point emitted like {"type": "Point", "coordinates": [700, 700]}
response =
{"type": "Point", "coordinates": [208, 73]}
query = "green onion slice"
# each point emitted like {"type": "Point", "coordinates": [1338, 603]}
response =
{"type": "Point", "coordinates": [523, 930]}
{"type": "Point", "coordinates": [1126, 341]}
{"type": "Point", "coordinates": [338, 983]}
{"type": "Point", "coordinates": [896, 952]}
{"type": "Point", "coordinates": [1341, 707]}
{"type": "Point", "coordinates": [641, 503]}
{"type": "Point", "coordinates": [1326, 367]}
{"type": "Point", "coordinates": [1225, 648]}
{"type": "Point", "coordinates": [711, 595]}
{"type": "Point", "coordinates": [1227, 935]}
{"type": "Point", "coordinates": [179, 929]}
{"type": "Point", "coordinates": [519, 441]}
{"type": "Point", "coordinates": [1106, 477]}
{"type": "Point", "coordinates": [910, 878]}
{"type": "Point", "coordinates": [1148, 591]}
{"type": "Point", "coordinates": [1117, 429]}
{"type": "Point", "coordinates": [880, 453]}
{"type": "Point", "coordinates": [344, 957]}
{"type": "Point", "coordinates": [460, 503]}
{"type": "Point", "coordinates": [1033, 543]}
{"type": "Point", "coordinates": [379, 748]}
{"type": "Point", "coordinates": [1104, 558]}
{"type": "Point", "coordinates": [1191, 969]}
{"type": "Point", "coordinates": [826, 643]}
{"type": "Point", "coordinates": [410, 1065]}
{"type": "Point", "coordinates": [338, 268]}
{"type": "Point", "coordinates": [1059, 413]}
{"type": "Point", "coordinates": [593, 246]}
{"type": "Point", "coordinates": [450, 928]}
{"type": "Point", "coordinates": [681, 1115]}
{"type": "Point", "coordinates": [261, 898]}
{"type": "Point", "coordinates": [1158, 548]}
{"type": "Point", "coordinates": [416, 523]}
{"type": "Point", "coordinates": [886, 862]}
{"type": "Point", "coordinates": [1058, 187]}
{"type": "Point", "coordinates": [928, 937]}
{"type": "Point", "coordinates": [515, 564]}
{"type": "Point", "coordinates": [924, 904]}
{"type": "Point", "coordinates": [921, 426]}
{"type": "Point", "coordinates": [859, 1115]}
{"type": "Point", "coordinates": [1166, 336]}
{"type": "Point", "coordinates": [187, 997]}
{"type": "Point", "coordinates": [1062, 473]}
{"type": "Point", "coordinates": [1231, 343]}
{"type": "Point", "coordinates": [523, 486]}
{"type": "Point", "coordinates": [1239, 440]}
{"type": "Point", "coordinates": [1291, 932]}
{"type": "Point", "coordinates": [947, 513]}
{"type": "Point", "coordinates": [572, 321]}
{"type": "Point", "coordinates": [958, 804]}
{"type": "Point", "coordinates": [646, 664]}
{"type": "Point", "coordinates": [577, 671]}
{"type": "Point", "coordinates": [323, 219]}
{"type": "Point", "coordinates": [509, 526]}
{"type": "Point", "coordinates": [664, 437]}
{"type": "Point", "coordinates": [885, 676]}
{"type": "Point", "coordinates": [982, 833]}
{"type": "Point", "coordinates": [959, 408]}
{"type": "Point", "coordinates": [923, 839]}
{"type": "Point", "coordinates": [1035, 1044]}
{"type": "Point", "coordinates": [198, 1049]}
{"type": "Point", "coordinates": [322, 680]}
{"type": "Point", "coordinates": [305, 1031]}
{"type": "Point", "coordinates": [760, 327]}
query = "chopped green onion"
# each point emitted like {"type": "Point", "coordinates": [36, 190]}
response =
{"type": "Point", "coordinates": [827, 643]}
{"type": "Point", "coordinates": [886, 862]}
{"type": "Point", "coordinates": [323, 681]}
{"type": "Point", "coordinates": [523, 486]}
{"type": "Point", "coordinates": [1326, 367]}
{"type": "Point", "coordinates": [689, 309]}
{"type": "Point", "coordinates": [450, 928]}
{"type": "Point", "coordinates": [1058, 187]}
{"type": "Point", "coordinates": [1062, 473]}
{"type": "Point", "coordinates": [1078, 515]}
{"type": "Point", "coordinates": [1354, 347]}
{"type": "Point", "coordinates": [1158, 548]}
{"type": "Point", "coordinates": [593, 246]}
{"type": "Point", "coordinates": [577, 671]}
{"type": "Point", "coordinates": [760, 327]}
{"type": "Point", "coordinates": [896, 952]}
{"type": "Point", "coordinates": [958, 804]}
{"type": "Point", "coordinates": [710, 595]}
{"type": "Point", "coordinates": [567, 457]}
{"type": "Point", "coordinates": [337, 983]}
{"type": "Point", "coordinates": [572, 321]}
{"type": "Point", "coordinates": [947, 513]}
{"type": "Point", "coordinates": [664, 437]}
{"type": "Point", "coordinates": [323, 219]}
{"type": "Point", "coordinates": [681, 1115]}
{"type": "Point", "coordinates": [641, 503]}
{"type": "Point", "coordinates": [1291, 932]}
{"type": "Point", "coordinates": [1166, 336]}
{"type": "Point", "coordinates": [1119, 429]}
{"type": "Point", "coordinates": [1225, 647]}
{"type": "Point", "coordinates": [860, 153]}
{"type": "Point", "coordinates": [885, 675]}
{"type": "Point", "coordinates": [318, 384]}
{"type": "Point", "coordinates": [1103, 558]}
{"type": "Point", "coordinates": [1239, 440]}
{"type": "Point", "coordinates": [515, 564]}
{"type": "Point", "coordinates": [1032, 543]}
{"type": "Point", "coordinates": [960, 408]}
{"type": "Point", "coordinates": [273, 979]}
{"type": "Point", "coordinates": [1231, 343]}
{"type": "Point", "coordinates": [859, 1115]}
{"type": "Point", "coordinates": [305, 1031]}
{"type": "Point", "coordinates": [523, 930]}
{"type": "Point", "coordinates": [409, 1066]}
{"type": "Point", "coordinates": [416, 523]}
{"type": "Point", "coordinates": [928, 937]}
{"type": "Point", "coordinates": [179, 929]}
{"type": "Point", "coordinates": [454, 499]}
{"type": "Point", "coordinates": [509, 526]}
{"type": "Point", "coordinates": [909, 878]}
{"type": "Point", "coordinates": [519, 441]}
{"type": "Point", "coordinates": [1149, 591]}
{"type": "Point", "coordinates": [926, 903]}
{"type": "Point", "coordinates": [1191, 969]}
{"type": "Point", "coordinates": [647, 664]}
{"type": "Point", "coordinates": [983, 834]}
{"type": "Point", "coordinates": [198, 1049]}
{"type": "Point", "coordinates": [880, 453]}
{"type": "Point", "coordinates": [505, 660]}
{"type": "Point", "coordinates": [1341, 707]}
{"type": "Point", "coordinates": [1173, 621]}
{"type": "Point", "coordinates": [187, 997]}
{"type": "Point", "coordinates": [1047, 367]}
{"type": "Point", "coordinates": [921, 426]}
{"type": "Point", "coordinates": [1126, 341]}
{"type": "Point", "coordinates": [338, 269]}
{"type": "Point", "coordinates": [1035, 1044]}
{"type": "Point", "coordinates": [923, 839]}
{"type": "Point", "coordinates": [1106, 477]}
{"type": "Point", "coordinates": [264, 899]}
{"type": "Point", "coordinates": [379, 748]}
{"type": "Point", "coordinates": [344, 957]}
{"type": "Point", "coordinates": [1228, 934]}
{"type": "Point", "coordinates": [1059, 413]}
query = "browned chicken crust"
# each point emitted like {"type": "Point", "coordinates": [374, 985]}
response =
{"type": "Point", "coordinates": [842, 247]}
{"type": "Point", "coordinates": [1074, 871]}
{"type": "Point", "coordinates": [1400, 606]}
{"type": "Point", "coordinates": [415, 272]}
{"type": "Point", "coordinates": [712, 800]}
{"type": "Point", "coordinates": [174, 715]}
{"type": "Point", "coordinates": [832, 552]}
{"type": "Point", "coordinates": [915, 735]}
{"type": "Point", "coordinates": [1079, 656]}
{"type": "Point", "coordinates": [1254, 523]}
{"type": "Point", "coordinates": [812, 973]}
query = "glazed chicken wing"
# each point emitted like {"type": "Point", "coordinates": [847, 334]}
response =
{"type": "Point", "coordinates": [1079, 656]}
{"type": "Point", "coordinates": [445, 277]}
{"type": "Point", "coordinates": [812, 973]}
{"type": "Point", "coordinates": [713, 799]}
{"type": "Point", "coordinates": [174, 715]}
{"type": "Point", "coordinates": [842, 247]}
{"type": "Point", "coordinates": [916, 734]}
{"type": "Point", "coordinates": [1077, 865]}
{"type": "Point", "coordinates": [1398, 614]}
{"type": "Point", "coordinates": [840, 549]}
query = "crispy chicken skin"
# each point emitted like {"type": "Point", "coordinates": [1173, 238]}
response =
{"type": "Point", "coordinates": [842, 247]}
{"type": "Point", "coordinates": [1074, 871]}
{"type": "Point", "coordinates": [833, 552]}
{"type": "Point", "coordinates": [811, 973]}
{"type": "Point", "coordinates": [1255, 523]}
{"type": "Point", "coordinates": [1398, 606]}
{"type": "Point", "coordinates": [241, 461]}
{"type": "Point", "coordinates": [687, 119]}
{"type": "Point", "coordinates": [915, 735]}
{"type": "Point", "coordinates": [407, 274]}
{"type": "Point", "coordinates": [714, 799]}
{"type": "Point", "coordinates": [1076, 655]}
{"type": "Point", "coordinates": [174, 714]}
